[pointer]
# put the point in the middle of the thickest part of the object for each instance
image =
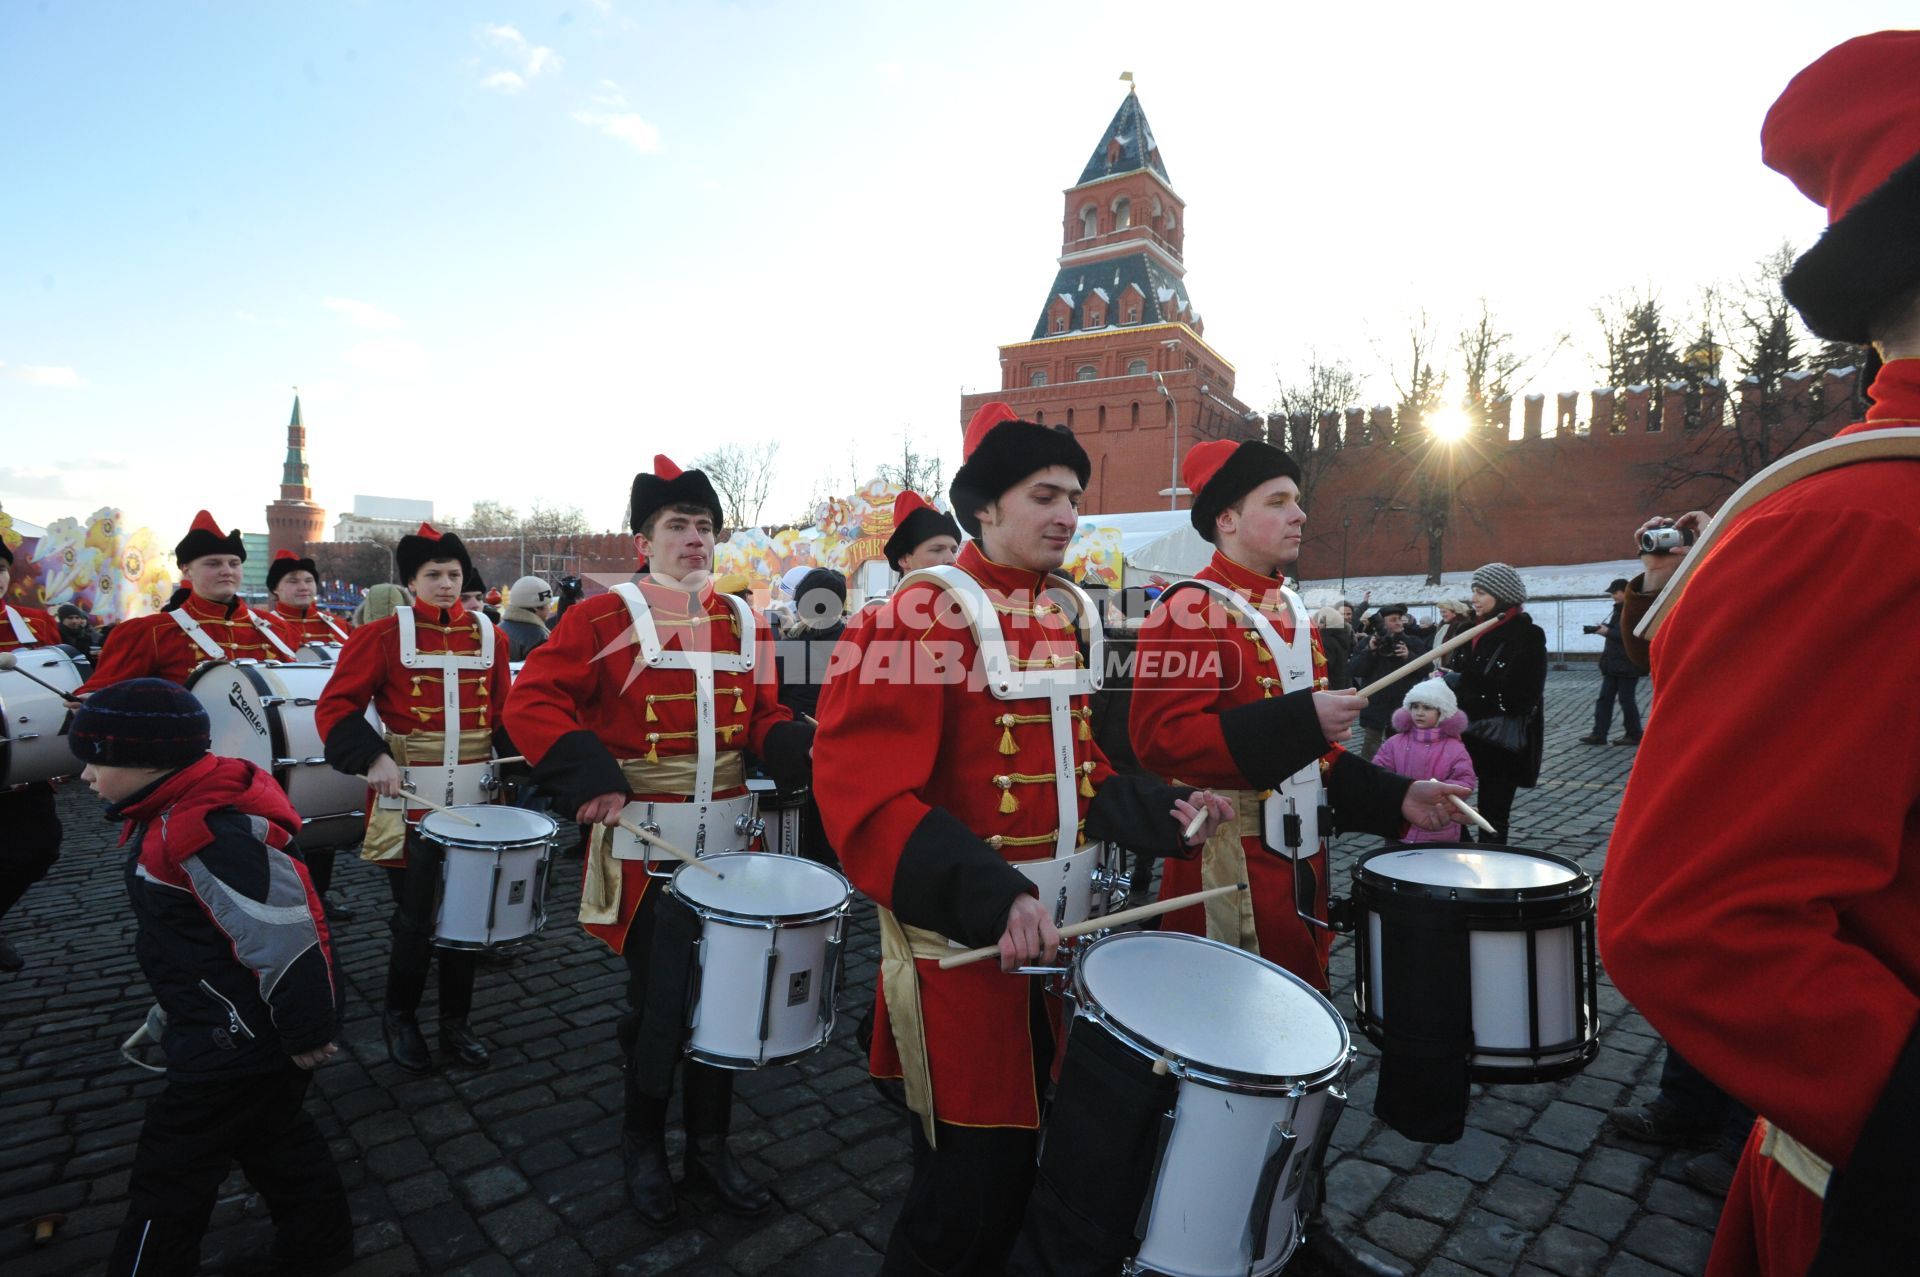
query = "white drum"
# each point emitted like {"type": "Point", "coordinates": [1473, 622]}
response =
{"type": "Point", "coordinates": [783, 816]}
{"type": "Point", "coordinates": [769, 955]}
{"type": "Point", "coordinates": [319, 653]}
{"type": "Point", "coordinates": [705, 829]}
{"type": "Point", "coordinates": [33, 720]}
{"type": "Point", "coordinates": [493, 875]}
{"type": "Point", "coordinates": [263, 712]}
{"type": "Point", "coordinates": [1259, 1056]}
{"type": "Point", "coordinates": [1527, 920]}
{"type": "Point", "coordinates": [1081, 886]}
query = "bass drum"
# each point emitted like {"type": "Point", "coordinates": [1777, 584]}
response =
{"type": "Point", "coordinates": [263, 712]}
{"type": "Point", "coordinates": [33, 720]}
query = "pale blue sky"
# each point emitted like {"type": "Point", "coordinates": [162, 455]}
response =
{"type": "Point", "coordinates": [510, 251]}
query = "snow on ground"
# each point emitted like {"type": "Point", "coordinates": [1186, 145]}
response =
{"type": "Point", "coordinates": [1561, 599]}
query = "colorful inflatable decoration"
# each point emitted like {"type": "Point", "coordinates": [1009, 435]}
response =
{"type": "Point", "coordinates": [104, 568]}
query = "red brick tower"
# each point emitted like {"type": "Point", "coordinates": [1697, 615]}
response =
{"type": "Point", "coordinates": [1117, 354]}
{"type": "Point", "coordinates": [294, 519]}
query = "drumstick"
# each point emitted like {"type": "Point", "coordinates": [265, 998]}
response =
{"type": "Point", "coordinates": [668, 847]}
{"type": "Point", "coordinates": [1427, 658]}
{"type": "Point", "coordinates": [8, 661]}
{"type": "Point", "coordinates": [1139, 913]}
{"type": "Point", "coordinates": [510, 758]}
{"type": "Point", "coordinates": [1193, 826]}
{"type": "Point", "coordinates": [1471, 814]}
{"type": "Point", "coordinates": [414, 799]}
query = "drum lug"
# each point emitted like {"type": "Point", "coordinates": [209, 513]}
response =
{"type": "Point", "coordinates": [751, 826]}
{"type": "Point", "coordinates": [1115, 884]}
{"type": "Point", "coordinates": [1272, 1176]}
{"type": "Point", "coordinates": [27, 736]}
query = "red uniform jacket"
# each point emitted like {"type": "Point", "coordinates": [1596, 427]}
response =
{"type": "Point", "coordinates": [1202, 715]}
{"type": "Point", "coordinates": [905, 771]}
{"type": "Point", "coordinates": [583, 701]}
{"type": "Point", "coordinates": [45, 630]}
{"type": "Point", "coordinates": [1761, 904]}
{"type": "Point", "coordinates": [154, 646]}
{"type": "Point", "coordinates": [369, 671]}
{"type": "Point", "coordinates": [308, 625]}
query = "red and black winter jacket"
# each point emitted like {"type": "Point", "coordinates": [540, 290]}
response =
{"type": "Point", "coordinates": [232, 935]}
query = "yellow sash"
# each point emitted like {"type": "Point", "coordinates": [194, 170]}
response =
{"type": "Point", "coordinates": [1223, 862]}
{"type": "Point", "coordinates": [900, 984]}
{"type": "Point", "coordinates": [600, 892]}
{"type": "Point", "coordinates": [386, 836]}
{"type": "Point", "coordinates": [1810, 1170]}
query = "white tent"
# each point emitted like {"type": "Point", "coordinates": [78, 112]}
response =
{"type": "Point", "coordinates": [1155, 543]}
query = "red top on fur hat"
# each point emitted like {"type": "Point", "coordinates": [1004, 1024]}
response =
{"type": "Point", "coordinates": [1203, 461]}
{"type": "Point", "coordinates": [285, 556]}
{"type": "Point", "coordinates": [1848, 121]}
{"type": "Point", "coordinates": [905, 504]}
{"type": "Point", "coordinates": [203, 522]}
{"type": "Point", "coordinates": [988, 416]}
{"type": "Point", "coordinates": [428, 531]}
{"type": "Point", "coordinates": [663, 467]}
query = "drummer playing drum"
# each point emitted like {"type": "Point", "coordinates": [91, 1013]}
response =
{"type": "Point", "coordinates": [935, 791]}
{"type": "Point", "coordinates": [438, 675]}
{"type": "Point", "coordinates": [1230, 691]}
{"type": "Point", "coordinates": [649, 695]}
{"type": "Point", "coordinates": [27, 811]}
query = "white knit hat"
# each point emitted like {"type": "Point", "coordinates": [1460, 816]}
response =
{"type": "Point", "coordinates": [1434, 692]}
{"type": "Point", "coordinates": [1502, 582]}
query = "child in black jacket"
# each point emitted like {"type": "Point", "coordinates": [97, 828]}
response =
{"type": "Point", "coordinates": [234, 941]}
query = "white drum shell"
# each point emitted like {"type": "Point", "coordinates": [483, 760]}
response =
{"type": "Point", "coordinates": [33, 720]}
{"type": "Point", "coordinates": [769, 954]}
{"type": "Point", "coordinates": [705, 829]}
{"type": "Point", "coordinates": [263, 712]}
{"type": "Point", "coordinates": [480, 908]}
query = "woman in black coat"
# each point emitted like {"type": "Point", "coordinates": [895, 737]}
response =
{"type": "Point", "coordinates": [1502, 680]}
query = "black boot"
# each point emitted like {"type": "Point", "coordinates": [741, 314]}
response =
{"type": "Point", "coordinates": [649, 1181]}
{"type": "Point", "coordinates": [711, 1165]}
{"type": "Point", "coordinates": [458, 1039]}
{"type": "Point", "coordinates": [406, 1046]}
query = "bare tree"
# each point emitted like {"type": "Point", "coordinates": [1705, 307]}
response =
{"type": "Point", "coordinates": [917, 470]}
{"type": "Point", "coordinates": [1330, 386]}
{"type": "Point", "coordinates": [490, 519]}
{"type": "Point", "coordinates": [742, 474]}
{"type": "Point", "coordinates": [1489, 366]}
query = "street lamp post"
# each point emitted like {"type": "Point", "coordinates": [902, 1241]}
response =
{"type": "Point", "coordinates": [1173, 407]}
{"type": "Point", "coordinates": [1346, 530]}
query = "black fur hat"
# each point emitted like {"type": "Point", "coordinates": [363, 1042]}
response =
{"type": "Point", "coordinates": [204, 538]}
{"type": "Point", "coordinates": [669, 485]}
{"type": "Point", "coordinates": [417, 549]}
{"type": "Point", "coordinates": [1220, 472]}
{"type": "Point", "coordinates": [1001, 450]}
{"type": "Point", "coordinates": [915, 522]}
{"type": "Point", "coordinates": [285, 562]}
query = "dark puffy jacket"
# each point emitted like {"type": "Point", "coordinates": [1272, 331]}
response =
{"type": "Point", "coordinates": [1377, 662]}
{"type": "Point", "coordinates": [1613, 655]}
{"type": "Point", "coordinates": [232, 936]}
{"type": "Point", "coordinates": [804, 662]}
{"type": "Point", "coordinates": [1504, 671]}
{"type": "Point", "coordinates": [1336, 644]}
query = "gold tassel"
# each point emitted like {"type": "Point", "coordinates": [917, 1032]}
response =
{"type": "Point", "coordinates": [1266, 689]}
{"type": "Point", "coordinates": [1086, 728]}
{"type": "Point", "coordinates": [1008, 803]}
{"type": "Point", "coordinates": [739, 702]}
{"type": "Point", "coordinates": [1006, 734]}
{"type": "Point", "coordinates": [653, 747]}
{"type": "Point", "coordinates": [651, 716]}
{"type": "Point", "coordinates": [1086, 780]}
{"type": "Point", "coordinates": [1259, 647]}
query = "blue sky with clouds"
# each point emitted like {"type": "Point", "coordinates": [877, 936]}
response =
{"type": "Point", "coordinates": [510, 251]}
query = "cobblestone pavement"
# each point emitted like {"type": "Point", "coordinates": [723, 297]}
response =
{"type": "Point", "coordinates": [517, 1169]}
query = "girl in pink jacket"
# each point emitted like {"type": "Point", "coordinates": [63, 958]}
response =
{"type": "Point", "coordinates": [1426, 745]}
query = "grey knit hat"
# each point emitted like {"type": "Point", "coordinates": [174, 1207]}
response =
{"type": "Point", "coordinates": [1502, 582]}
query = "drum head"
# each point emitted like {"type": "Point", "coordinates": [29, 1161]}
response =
{"type": "Point", "coordinates": [762, 885]}
{"type": "Point", "coordinates": [493, 826]}
{"type": "Point", "coordinates": [1212, 1005]}
{"type": "Point", "coordinates": [1471, 869]}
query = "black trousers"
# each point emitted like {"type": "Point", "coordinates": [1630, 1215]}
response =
{"type": "Point", "coordinates": [415, 889]}
{"type": "Point", "coordinates": [1614, 687]}
{"type": "Point", "coordinates": [1496, 804]}
{"type": "Point", "coordinates": [968, 1197]}
{"type": "Point", "coordinates": [29, 840]}
{"type": "Point", "coordinates": [1694, 1094]}
{"type": "Point", "coordinates": [320, 869]}
{"type": "Point", "coordinates": [194, 1133]}
{"type": "Point", "coordinates": [706, 1096]}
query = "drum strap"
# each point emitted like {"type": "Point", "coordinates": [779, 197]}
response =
{"type": "Point", "coordinates": [675, 774]}
{"type": "Point", "coordinates": [449, 664]}
{"type": "Point", "coordinates": [1426, 985]}
{"type": "Point", "coordinates": [900, 945]}
{"type": "Point", "coordinates": [22, 632]}
{"type": "Point", "coordinates": [702, 663]}
{"type": "Point", "coordinates": [204, 641]}
{"type": "Point", "coordinates": [385, 840]}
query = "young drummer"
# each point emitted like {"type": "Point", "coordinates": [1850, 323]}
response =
{"type": "Point", "coordinates": [922, 536]}
{"type": "Point", "coordinates": [294, 583]}
{"type": "Point", "coordinates": [437, 675]}
{"type": "Point", "coordinates": [1230, 690]}
{"type": "Point", "coordinates": [935, 792]}
{"type": "Point", "coordinates": [32, 841]}
{"type": "Point", "coordinates": [208, 622]}
{"type": "Point", "coordinates": [604, 725]}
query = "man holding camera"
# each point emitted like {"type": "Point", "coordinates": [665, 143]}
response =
{"type": "Point", "coordinates": [1392, 648]}
{"type": "Point", "coordinates": [1619, 677]}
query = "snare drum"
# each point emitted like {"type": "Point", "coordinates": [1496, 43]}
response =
{"type": "Point", "coordinates": [263, 712]}
{"type": "Point", "coordinates": [768, 960]}
{"type": "Point", "coordinates": [1527, 916]}
{"type": "Point", "coordinates": [1081, 886]}
{"type": "Point", "coordinates": [719, 827]}
{"type": "Point", "coordinates": [319, 653]}
{"type": "Point", "coordinates": [493, 874]}
{"type": "Point", "coordinates": [33, 720]}
{"type": "Point", "coordinates": [1259, 1057]}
